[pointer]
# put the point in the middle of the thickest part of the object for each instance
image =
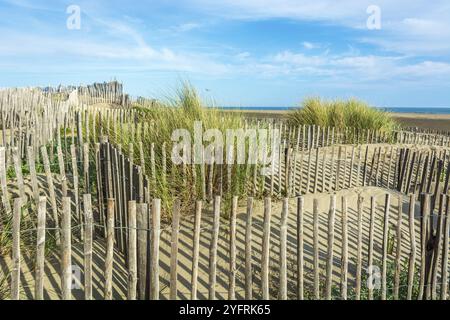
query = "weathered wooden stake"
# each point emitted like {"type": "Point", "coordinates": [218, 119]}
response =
{"type": "Point", "coordinates": [174, 250]}
{"type": "Point", "coordinates": [155, 239]}
{"type": "Point", "coordinates": [316, 258]}
{"type": "Point", "coordinates": [213, 249]}
{"type": "Point", "coordinates": [66, 250]}
{"type": "Point", "coordinates": [195, 249]}
{"type": "Point", "coordinates": [265, 257]}
{"type": "Point", "coordinates": [283, 250]}
{"type": "Point", "coordinates": [232, 275]}
{"type": "Point", "coordinates": [16, 257]}
{"type": "Point", "coordinates": [40, 249]}
{"type": "Point", "coordinates": [248, 251]}
{"type": "Point", "coordinates": [331, 221]}
{"type": "Point", "coordinates": [109, 259]}
{"type": "Point", "coordinates": [300, 245]}
{"type": "Point", "coordinates": [132, 251]}
{"type": "Point", "coordinates": [412, 242]}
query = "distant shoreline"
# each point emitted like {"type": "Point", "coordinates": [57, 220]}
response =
{"type": "Point", "coordinates": [430, 121]}
{"type": "Point", "coordinates": [405, 110]}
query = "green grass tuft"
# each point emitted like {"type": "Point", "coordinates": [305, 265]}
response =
{"type": "Point", "coordinates": [342, 114]}
{"type": "Point", "coordinates": [160, 120]}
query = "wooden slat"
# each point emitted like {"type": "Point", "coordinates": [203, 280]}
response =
{"type": "Point", "coordinates": [174, 250]}
{"type": "Point", "coordinates": [398, 255]}
{"type": "Point", "coordinates": [40, 249]}
{"type": "Point", "coordinates": [232, 275]}
{"type": "Point", "coordinates": [132, 251]}
{"type": "Point", "coordinates": [109, 258]}
{"type": "Point", "coordinates": [66, 250]}
{"type": "Point", "coordinates": [16, 256]}
{"type": "Point", "coordinates": [33, 174]}
{"type": "Point", "coordinates": [3, 181]}
{"type": "Point", "coordinates": [155, 240]}
{"type": "Point", "coordinates": [445, 253]}
{"type": "Point", "coordinates": [76, 190]}
{"type": "Point", "coordinates": [88, 242]}
{"type": "Point", "coordinates": [425, 215]}
{"type": "Point", "coordinates": [330, 256]}
{"type": "Point", "coordinates": [142, 245]}
{"type": "Point", "coordinates": [387, 209]}
{"type": "Point", "coordinates": [248, 251]}
{"type": "Point", "coordinates": [371, 239]}
{"type": "Point", "coordinates": [213, 248]}
{"type": "Point", "coordinates": [265, 257]}
{"type": "Point", "coordinates": [316, 258]}
{"type": "Point", "coordinates": [195, 249]}
{"type": "Point", "coordinates": [51, 191]}
{"type": "Point", "coordinates": [359, 243]}
{"type": "Point", "coordinates": [412, 243]}
{"type": "Point", "coordinates": [344, 252]}
{"type": "Point", "coordinates": [283, 250]}
{"type": "Point", "coordinates": [300, 247]}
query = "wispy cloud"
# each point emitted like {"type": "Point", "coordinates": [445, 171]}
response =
{"type": "Point", "coordinates": [309, 45]}
{"type": "Point", "coordinates": [414, 26]}
{"type": "Point", "coordinates": [370, 68]}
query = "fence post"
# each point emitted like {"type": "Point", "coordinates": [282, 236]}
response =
{"type": "Point", "coordinates": [385, 246]}
{"type": "Point", "coordinates": [425, 214]}
{"type": "Point", "coordinates": [445, 253]}
{"type": "Point", "coordinates": [33, 175]}
{"type": "Point", "coordinates": [359, 247]}
{"type": "Point", "coordinates": [283, 249]}
{"type": "Point", "coordinates": [154, 262]}
{"type": "Point", "coordinates": [248, 251]}
{"type": "Point", "coordinates": [213, 249]}
{"type": "Point", "coordinates": [232, 279]}
{"type": "Point", "coordinates": [51, 189]}
{"type": "Point", "coordinates": [331, 220]}
{"type": "Point", "coordinates": [66, 250]}
{"type": "Point", "coordinates": [3, 182]}
{"type": "Point", "coordinates": [412, 241]}
{"type": "Point", "coordinates": [88, 234]}
{"type": "Point", "coordinates": [344, 261]}
{"type": "Point", "coordinates": [109, 259]}
{"type": "Point", "coordinates": [40, 249]}
{"type": "Point", "coordinates": [371, 239]}
{"type": "Point", "coordinates": [174, 250]}
{"type": "Point", "coordinates": [316, 261]}
{"type": "Point", "coordinates": [76, 190]}
{"type": "Point", "coordinates": [132, 251]}
{"type": "Point", "coordinates": [266, 249]}
{"type": "Point", "coordinates": [398, 258]}
{"type": "Point", "coordinates": [142, 224]}
{"type": "Point", "coordinates": [195, 249]}
{"type": "Point", "coordinates": [300, 245]}
{"type": "Point", "coordinates": [16, 258]}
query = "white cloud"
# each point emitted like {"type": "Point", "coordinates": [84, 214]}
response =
{"type": "Point", "coordinates": [299, 59]}
{"type": "Point", "coordinates": [414, 27]}
{"type": "Point", "coordinates": [352, 67]}
{"type": "Point", "coordinates": [243, 55]}
{"type": "Point", "coordinates": [187, 27]}
{"type": "Point", "coordinates": [309, 45]}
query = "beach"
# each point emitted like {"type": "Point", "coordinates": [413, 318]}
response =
{"type": "Point", "coordinates": [439, 122]}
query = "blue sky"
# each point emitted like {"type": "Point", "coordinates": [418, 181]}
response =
{"type": "Point", "coordinates": [240, 53]}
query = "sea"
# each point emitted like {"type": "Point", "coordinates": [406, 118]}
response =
{"type": "Point", "coordinates": [419, 110]}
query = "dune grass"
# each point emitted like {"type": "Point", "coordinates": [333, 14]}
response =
{"type": "Point", "coordinates": [159, 121]}
{"type": "Point", "coordinates": [341, 114]}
